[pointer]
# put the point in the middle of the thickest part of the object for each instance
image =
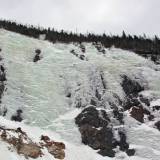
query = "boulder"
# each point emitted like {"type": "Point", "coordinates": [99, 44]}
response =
{"type": "Point", "coordinates": [92, 117]}
{"type": "Point", "coordinates": [124, 146]}
{"type": "Point", "coordinates": [156, 108]}
{"type": "Point", "coordinates": [130, 152]}
{"type": "Point", "coordinates": [37, 56]}
{"type": "Point", "coordinates": [101, 138]}
{"type": "Point", "coordinates": [118, 115]}
{"type": "Point", "coordinates": [157, 124]}
{"type": "Point", "coordinates": [131, 86]}
{"type": "Point", "coordinates": [95, 132]}
{"type": "Point", "coordinates": [130, 102]}
{"type": "Point", "coordinates": [137, 113]}
{"type": "Point", "coordinates": [18, 116]}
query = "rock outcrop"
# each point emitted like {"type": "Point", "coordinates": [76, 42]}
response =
{"type": "Point", "coordinates": [157, 124]}
{"type": "Point", "coordinates": [131, 86]}
{"type": "Point", "coordinates": [18, 116]}
{"type": "Point", "coordinates": [97, 131]}
{"type": "Point", "coordinates": [37, 56]}
{"type": "Point", "coordinates": [19, 140]}
{"type": "Point", "coordinates": [54, 148]}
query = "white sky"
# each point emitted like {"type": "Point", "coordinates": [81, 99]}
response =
{"type": "Point", "coordinates": [98, 16]}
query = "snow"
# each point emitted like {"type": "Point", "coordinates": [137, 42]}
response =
{"type": "Point", "coordinates": [40, 90]}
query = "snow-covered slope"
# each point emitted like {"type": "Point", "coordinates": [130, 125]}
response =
{"type": "Point", "coordinates": [49, 90]}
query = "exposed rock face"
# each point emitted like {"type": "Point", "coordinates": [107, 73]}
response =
{"type": "Point", "coordinates": [157, 124]}
{"type": "Point", "coordinates": [21, 142]}
{"type": "Point", "coordinates": [3, 78]}
{"type": "Point", "coordinates": [93, 126]}
{"type": "Point", "coordinates": [29, 150]}
{"type": "Point", "coordinates": [134, 102]}
{"type": "Point", "coordinates": [137, 113]}
{"type": "Point", "coordinates": [37, 56]}
{"type": "Point", "coordinates": [144, 100]}
{"type": "Point", "coordinates": [80, 56]}
{"type": "Point", "coordinates": [93, 117]}
{"type": "Point", "coordinates": [18, 116]}
{"type": "Point", "coordinates": [131, 86]}
{"type": "Point", "coordinates": [118, 115]}
{"type": "Point", "coordinates": [54, 148]}
{"type": "Point", "coordinates": [131, 101]}
{"type": "Point", "coordinates": [25, 146]}
{"type": "Point", "coordinates": [56, 151]}
{"type": "Point", "coordinates": [156, 108]}
{"type": "Point", "coordinates": [97, 132]}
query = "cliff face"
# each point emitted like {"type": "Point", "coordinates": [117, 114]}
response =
{"type": "Point", "coordinates": [101, 103]}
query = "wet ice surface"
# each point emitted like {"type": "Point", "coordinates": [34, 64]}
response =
{"type": "Point", "coordinates": [40, 89]}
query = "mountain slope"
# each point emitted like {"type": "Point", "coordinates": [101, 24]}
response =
{"type": "Point", "coordinates": [52, 92]}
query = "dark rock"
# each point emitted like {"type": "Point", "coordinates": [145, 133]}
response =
{"type": "Point", "coordinates": [4, 112]}
{"type": "Point", "coordinates": [73, 51]}
{"type": "Point", "coordinates": [98, 95]}
{"type": "Point", "coordinates": [103, 81]}
{"type": "Point", "coordinates": [82, 57]}
{"type": "Point", "coordinates": [93, 102]}
{"type": "Point", "coordinates": [98, 139]}
{"type": "Point", "coordinates": [131, 86]}
{"type": "Point", "coordinates": [144, 100]}
{"type": "Point", "coordinates": [68, 95]}
{"type": "Point", "coordinates": [157, 124]}
{"type": "Point", "coordinates": [37, 56]}
{"type": "Point", "coordinates": [151, 117]}
{"type": "Point", "coordinates": [118, 115]}
{"type": "Point", "coordinates": [123, 144]}
{"type": "Point", "coordinates": [107, 152]}
{"type": "Point", "coordinates": [156, 108]}
{"type": "Point", "coordinates": [93, 117]}
{"type": "Point", "coordinates": [131, 101]}
{"type": "Point", "coordinates": [137, 113]}
{"type": "Point", "coordinates": [130, 152]}
{"type": "Point", "coordinates": [38, 51]}
{"type": "Point", "coordinates": [79, 104]}
{"type": "Point", "coordinates": [93, 126]}
{"type": "Point", "coordinates": [97, 132]}
{"type": "Point", "coordinates": [146, 111]}
{"type": "Point", "coordinates": [2, 77]}
{"type": "Point", "coordinates": [2, 69]}
{"type": "Point", "coordinates": [18, 116]}
{"type": "Point", "coordinates": [154, 58]}
{"type": "Point", "coordinates": [45, 138]}
{"type": "Point", "coordinates": [2, 87]}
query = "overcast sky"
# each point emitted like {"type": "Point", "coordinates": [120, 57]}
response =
{"type": "Point", "coordinates": [98, 16]}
